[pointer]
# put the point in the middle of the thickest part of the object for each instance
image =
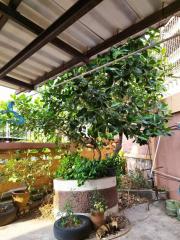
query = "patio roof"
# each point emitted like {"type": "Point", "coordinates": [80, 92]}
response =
{"type": "Point", "coordinates": [40, 39]}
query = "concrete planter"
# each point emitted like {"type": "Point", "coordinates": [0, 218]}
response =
{"type": "Point", "coordinates": [66, 190]}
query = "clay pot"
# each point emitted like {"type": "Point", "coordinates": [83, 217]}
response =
{"type": "Point", "coordinates": [21, 199]}
{"type": "Point", "coordinates": [97, 218]}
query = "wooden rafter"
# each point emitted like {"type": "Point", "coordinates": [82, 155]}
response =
{"type": "Point", "coordinates": [62, 23]}
{"type": "Point", "coordinates": [33, 27]}
{"type": "Point", "coordinates": [132, 30]}
{"type": "Point", "coordinates": [16, 82]}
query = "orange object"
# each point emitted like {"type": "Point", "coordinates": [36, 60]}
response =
{"type": "Point", "coordinates": [97, 218]}
{"type": "Point", "coordinates": [21, 199]}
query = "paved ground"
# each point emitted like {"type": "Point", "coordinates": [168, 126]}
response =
{"type": "Point", "coordinates": [146, 225]}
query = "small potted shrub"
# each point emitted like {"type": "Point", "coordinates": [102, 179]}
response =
{"type": "Point", "coordinates": [72, 226]}
{"type": "Point", "coordinates": [115, 165]}
{"type": "Point", "coordinates": [98, 208]}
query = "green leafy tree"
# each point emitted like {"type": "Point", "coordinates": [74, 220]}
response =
{"type": "Point", "coordinates": [37, 117]}
{"type": "Point", "coordinates": [125, 98]}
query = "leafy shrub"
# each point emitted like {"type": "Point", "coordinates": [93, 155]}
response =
{"type": "Point", "coordinates": [134, 180]}
{"type": "Point", "coordinates": [75, 167]}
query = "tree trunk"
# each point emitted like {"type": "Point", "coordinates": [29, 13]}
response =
{"type": "Point", "coordinates": [118, 145]}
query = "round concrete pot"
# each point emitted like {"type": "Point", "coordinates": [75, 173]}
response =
{"type": "Point", "coordinates": [68, 190]}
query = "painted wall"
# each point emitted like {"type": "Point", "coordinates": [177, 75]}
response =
{"type": "Point", "coordinates": [168, 157]}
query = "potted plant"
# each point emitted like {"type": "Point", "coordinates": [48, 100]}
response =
{"type": "Point", "coordinates": [72, 226]}
{"type": "Point", "coordinates": [160, 194]}
{"type": "Point", "coordinates": [98, 208]}
{"type": "Point", "coordinates": [81, 176]}
{"type": "Point", "coordinates": [115, 165]}
{"type": "Point", "coordinates": [7, 213]}
{"type": "Point", "coordinates": [24, 171]}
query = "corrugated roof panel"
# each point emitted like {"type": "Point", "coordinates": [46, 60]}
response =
{"type": "Point", "coordinates": [13, 38]}
{"type": "Point", "coordinates": [8, 85]}
{"type": "Point", "coordinates": [46, 13]}
{"type": "Point", "coordinates": [21, 77]}
{"type": "Point", "coordinates": [145, 7]}
{"type": "Point", "coordinates": [101, 23]}
{"type": "Point", "coordinates": [47, 8]}
{"type": "Point", "coordinates": [8, 51]}
{"type": "Point", "coordinates": [35, 67]}
{"type": "Point", "coordinates": [43, 18]}
{"type": "Point", "coordinates": [65, 4]}
{"type": "Point", "coordinates": [108, 18]}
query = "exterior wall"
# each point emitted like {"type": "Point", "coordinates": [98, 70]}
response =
{"type": "Point", "coordinates": [137, 156]}
{"type": "Point", "coordinates": [168, 157]}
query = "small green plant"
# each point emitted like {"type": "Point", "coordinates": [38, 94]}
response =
{"type": "Point", "coordinates": [138, 179]}
{"type": "Point", "coordinates": [70, 219]}
{"type": "Point", "coordinates": [98, 203]}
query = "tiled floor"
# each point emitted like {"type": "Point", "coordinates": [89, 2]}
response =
{"type": "Point", "coordinates": [146, 225]}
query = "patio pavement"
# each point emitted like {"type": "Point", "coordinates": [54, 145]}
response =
{"type": "Point", "coordinates": [146, 225]}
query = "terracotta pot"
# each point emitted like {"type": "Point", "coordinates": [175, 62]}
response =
{"type": "Point", "coordinates": [97, 218]}
{"type": "Point", "coordinates": [21, 198]}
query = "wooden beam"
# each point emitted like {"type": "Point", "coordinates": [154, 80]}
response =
{"type": "Point", "coordinates": [33, 27]}
{"type": "Point", "coordinates": [13, 4]}
{"type": "Point", "coordinates": [25, 145]}
{"type": "Point", "coordinates": [134, 29]}
{"type": "Point", "coordinates": [16, 82]}
{"type": "Point", "coordinates": [79, 9]}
